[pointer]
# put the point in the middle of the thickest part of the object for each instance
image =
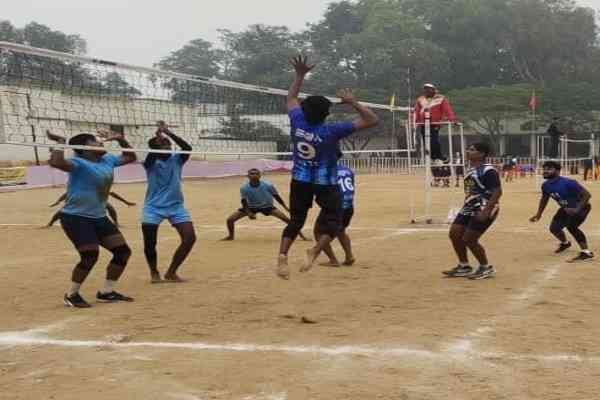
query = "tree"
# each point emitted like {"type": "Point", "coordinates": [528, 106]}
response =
{"type": "Point", "coordinates": [258, 55]}
{"type": "Point", "coordinates": [113, 84]}
{"type": "Point", "coordinates": [486, 109]}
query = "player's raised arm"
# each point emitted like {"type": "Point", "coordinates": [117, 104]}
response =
{"type": "Point", "coordinates": [57, 156]}
{"type": "Point", "coordinates": [367, 118]}
{"type": "Point", "coordinates": [302, 68]}
{"type": "Point", "coordinates": [183, 145]}
{"type": "Point", "coordinates": [127, 157]}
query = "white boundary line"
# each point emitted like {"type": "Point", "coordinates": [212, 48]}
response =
{"type": "Point", "coordinates": [37, 338]}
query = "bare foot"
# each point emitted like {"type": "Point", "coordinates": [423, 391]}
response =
{"type": "Point", "coordinates": [311, 256]}
{"type": "Point", "coordinates": [349, 262]}
{"type": "Point", "coordinates": [174, 278]}
{"type": "Point", "coordinates": [155, 277]}
{"type": "Point", "coordinates": [227, 239]}
{"type": "Point", "coordinates": [283, 271]}
{"type": "Point", "coordinates": [330, 264]}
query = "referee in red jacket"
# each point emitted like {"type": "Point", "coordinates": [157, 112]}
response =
{"type": "Point", "coordinates": [440, 110]}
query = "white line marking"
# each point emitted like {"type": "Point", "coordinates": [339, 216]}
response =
{"type": "Point", "coordinates": [458, 352]}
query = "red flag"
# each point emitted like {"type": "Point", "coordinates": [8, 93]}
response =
{"type": "Point", "coordinates": [532, 101]}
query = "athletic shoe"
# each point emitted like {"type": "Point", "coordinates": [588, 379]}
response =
{"type": "Point", "coordinates": [459, 271]}
{"type": "Point", "coordinates": [483, 273]}
{"type": "Point", "coordinates": [112, 297]}
{"type": "Point", "coordinates": [75, 300]}
{"type": "Point", "coordinates": [582, 257]}
{"type": "Point", "coordinates": [562, 247]}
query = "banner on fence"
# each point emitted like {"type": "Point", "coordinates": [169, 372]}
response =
{"type": "Point", "coordinates": [13, 176]}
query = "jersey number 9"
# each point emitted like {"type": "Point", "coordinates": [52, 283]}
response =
{"type": "Point", "coordinates": [306, 151]}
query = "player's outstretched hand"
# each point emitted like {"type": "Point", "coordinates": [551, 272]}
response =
{"type": "Point", "coordinates": [107, 135]}
{"type": "Point", "coordinates": [346, 96]}
{"type": "Point", "coordinates": [301, 66]}
{"type": "Point", "coordinates": [55, 138]}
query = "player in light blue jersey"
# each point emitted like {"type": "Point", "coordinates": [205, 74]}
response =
{"type": "Point", "coordinates": [83, 218]}
{"type": "Point", "coordinates": [164, 200]}
{"type": "Point", "coordinates": [314, 173]}
{"type": "Point", "coordinates": [346, 186]}
{"type": "Point", "coordinates": [574, 207]}
{"type": "Point", "coordinates": [257, 197]}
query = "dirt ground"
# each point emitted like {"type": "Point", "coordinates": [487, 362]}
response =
{"type": "Point", "coordinates": [390, 327]}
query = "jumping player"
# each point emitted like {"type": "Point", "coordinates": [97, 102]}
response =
{"type": "Point", "coordinates": [314, 173]}
{"type": "Point", "coordinates": [257, 197]}
{"type": "Point", "coordinates": [483, 191]}
{"type": "Point", "coordinates": [111, 210]}
{"type": "Point", "coordinates": [164, 200]}
{"type": "Point", "coordinates": [346, 186]}
{"type": "Point", "coordinates": [83, 217]}
{"type": "Point", "coordinates": [574, 202]}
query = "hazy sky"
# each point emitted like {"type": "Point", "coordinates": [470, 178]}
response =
{"type": "Point", "coordinates": [141, 32]}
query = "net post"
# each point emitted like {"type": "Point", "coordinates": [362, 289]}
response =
{"type": "Point", "coordinates": [2, 127]}
{"type": "Point", "coordinates": [451, 151]}
{"type": "Point", "coordinates": [427, 167]}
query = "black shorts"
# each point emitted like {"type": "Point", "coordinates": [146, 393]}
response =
{"type": "Point", "coordinates": [302, 194]}
{"type": "Point", "coordinates": [327, 197]}
{"type": "Point", "coordinates": [87, 231]}
{"type": "Point", "coordinates": [459, 171]}
{"type": "Point", "coordinates": [264, 210]}
{"type": "Point", "coordinates": [347, 214]}
{"type": "Point", "coordinates": [563, 220]}
{"type": "Point", "coordinates": [471, 223]}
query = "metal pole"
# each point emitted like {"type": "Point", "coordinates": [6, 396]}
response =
{"type": "Point", "coordinates": [29, 114]}
{"type": "Point", "coordinates": [451, 151]}
{"type": "Point", "coordinates": [427, 167]}
{"type": "Point", "coordinates": [2, 134]}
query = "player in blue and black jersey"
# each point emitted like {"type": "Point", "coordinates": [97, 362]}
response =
{"type": "Point", "coordinates": [314, 174]}
{"type": "Point", "coordinates": [574, 202]}
{"type": "Point", "coordinates": [346, 187]}
{"type": "Point", "coordinates": [482, 193]}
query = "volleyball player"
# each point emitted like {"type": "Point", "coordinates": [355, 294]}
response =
{"type": "Point", "coordinates": [483, 191]}
{"type": "Point", "coordinates": [164, 200]}
{"type": "Point", "coordinates": [257, 197]}
{"type": "Point", "coordinates": [574, 202]}
{"type": "Point", "coordinates": [314, 172]}
{"type": "Point", "coordinates": [83, 217]}
{"type": "Point", "coordinates": [346, 186]}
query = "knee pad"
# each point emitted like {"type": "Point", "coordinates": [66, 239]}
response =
{"type": "Point", "coordinates": [88, 259]}
{"type": "Point", "coordinates": [121, 255]}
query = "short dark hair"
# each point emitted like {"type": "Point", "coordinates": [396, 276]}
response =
{"type": "Point", "coordinates": [482, 147]}
{"type": "Point", "coordinates": [315, 109]}
{"type": "Point", "coordinates": [552, 164]}
{"type": "Point", "coordinates": [81, 140]}
{"type": "Point", "coordinates": [253, 170]}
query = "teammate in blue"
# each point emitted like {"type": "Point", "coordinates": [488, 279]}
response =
{"type": "Point", "coordinates": [164, 200]}
{"type": "Point", "coordinates": [257, 197]}
{"type": "Point", "coordinates": [574, 202]}
{"type": "Point", "coordinates": [482, 194]}
{"type": "Point", "coordinates": [314, 173]}
{"type": "Point", "coordinates": [83, 218]}
{"type": "Point", "coordinates": [346, 187]}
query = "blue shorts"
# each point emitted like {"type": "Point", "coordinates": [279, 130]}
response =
{"type": "Point", "coordinates": [175, 215]}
